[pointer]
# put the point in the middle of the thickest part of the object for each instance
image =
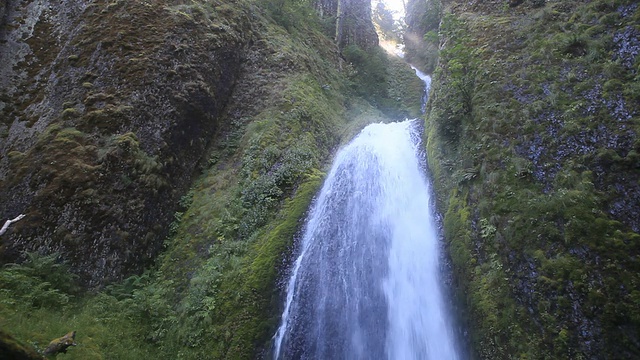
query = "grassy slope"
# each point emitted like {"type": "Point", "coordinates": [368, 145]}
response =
{"type": "Point", "coordinates": [213, 291]}
{"type": "Point", "coordinates": [532, 136]}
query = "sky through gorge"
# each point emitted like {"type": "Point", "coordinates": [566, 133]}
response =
{"type": "Point", "coordinates": [396, 6]}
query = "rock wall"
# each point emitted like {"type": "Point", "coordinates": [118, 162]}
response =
{"type": "Point", "coordinates": [354, 26]}
{"type": "Point", "coordinates": [326, 8]}
{"type": "Point", "coordinates": [352, 19]}
{"type": "Point", "coordinates": [3, 9]}
{"type": "Point", "coordinates": [107, 108]}
{"type": "Point", "coordinates": [532, 129]}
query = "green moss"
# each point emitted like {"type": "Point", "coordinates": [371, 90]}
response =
{"type": "Point", "coordinates": [524, 193]}
{"type": "Point", "coordinates": [15, 156]}
{"type": "Point", "coordinates": [251, 329]}
{"type": "Point", "coordinates": [70, 113]}
{"type": "Point", "coordinates": [456, 224]}
{"type": "Point", "coordinates": [277, 241]}
{"type": "Point", "coordinates": [68, 105]}
{"type": "Point", "coordinates": [127, 141]}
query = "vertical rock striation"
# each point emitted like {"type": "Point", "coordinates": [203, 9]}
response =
{"type": "Point", "coordinates": [352, 20]}
{"type": "Point", "coordinates": [533, 130]}
{"type": "Point", "coordinates": [354, 26]}
{"type": "Point", "coordinates": [107, 108]}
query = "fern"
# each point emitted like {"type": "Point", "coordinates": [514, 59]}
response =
{"type": "Point", "coordinates": [40, 281]}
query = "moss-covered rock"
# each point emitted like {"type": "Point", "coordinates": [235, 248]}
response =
{"type": "Point", "coordinates": [532, 134]}
{"type": "Point", "coordinates": [113, 105]}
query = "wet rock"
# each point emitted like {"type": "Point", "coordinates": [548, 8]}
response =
{"type": "Point", "coordinates": [520, 93]}
{"type": "Point", "coordinates": [626, 45]}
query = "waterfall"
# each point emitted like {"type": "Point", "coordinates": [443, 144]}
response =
{"type": "Point", "coordinates": [366, 281]}
{"type": "Point", "coordinates": [426, 79]}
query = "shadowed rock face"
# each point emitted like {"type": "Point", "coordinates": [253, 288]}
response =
{"type": "Point", "coordinates": [107, 108]}
{"type": "Point", "coordinates": [353, 21]}
{"type": "Point", "coordinates": [554, 207]}
{"type": "Point", "coordinates": [3, 8]}
{"type": "Point", "coordinates": [12, 349]}
{"type": "Point", "coordinates": [354, 24]}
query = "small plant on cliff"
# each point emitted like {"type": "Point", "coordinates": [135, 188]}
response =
{"type": "Point", "coordinates": [458, 65]}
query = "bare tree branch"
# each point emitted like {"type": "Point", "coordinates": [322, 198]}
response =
{"type": "Point", "coordinates": [9, 222]}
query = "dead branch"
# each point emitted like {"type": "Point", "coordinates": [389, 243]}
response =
{"type": "Point", "coordinates": [9, 222]}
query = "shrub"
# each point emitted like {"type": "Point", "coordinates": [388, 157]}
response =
{"type": "Point", "coordinates": [40, 281]}
{"type": "Point", "coordinates": [369, 72]}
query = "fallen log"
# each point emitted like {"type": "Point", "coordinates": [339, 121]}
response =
{"type": "Point", "coordinates": [60, 344]}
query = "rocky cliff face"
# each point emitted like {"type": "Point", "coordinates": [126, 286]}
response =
{"type": "Point", "coordinates": [354, 26]}
{"type": "Point", "coordinates": [3, 10]}
{"type": "Point", "coordinates": [107, 108]}
{"type": "Point", "coordinates": [352, 20]}
{"type": "Point", "coordinates": [421, 36]}
{"type": "Point", "coordinates": [533, 136]}
{"type": "Point", "coordinates": [327, 9]}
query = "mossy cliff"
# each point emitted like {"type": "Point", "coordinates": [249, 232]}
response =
{"type": "Point", "coordinates": [165, 154]}
{"type": "Point", "coordinates": [107, 109]}
{"type": "Point", "coordinates": [532, 136]}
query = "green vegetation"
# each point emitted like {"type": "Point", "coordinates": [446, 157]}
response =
{"type": "Point", "coordinates": [421, 38]}
{"type": "Point", "coordinates": [531, 136]}
{"type": "Point", "coordinates": [297, 16]}
{"type": "Point", "coordinates": [38, 282]}
{"type": "Point", "coordinates": [384, 81]}
{"type": "Point", "coordinates": [212, 291]}
{"type": "Point", "coordinates": [459, 62]}
{"type": "Point", "coordinates": [38, 302]}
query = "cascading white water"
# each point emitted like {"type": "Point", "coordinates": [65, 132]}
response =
{"type": "Point", "coordinates": [366, 282]}
{"type": "Point", "coordinates": [426, 79]}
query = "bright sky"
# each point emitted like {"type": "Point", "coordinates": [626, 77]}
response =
{"type": "Point", "coordinates": [395, 5]}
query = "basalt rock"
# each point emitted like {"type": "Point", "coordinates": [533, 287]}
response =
{"type": "Point", "coordinates": [352, 19]}
{"type": "Point", "coordinates": [354, 24]}
{"type": "Point", "coordinates": [107, 108]}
